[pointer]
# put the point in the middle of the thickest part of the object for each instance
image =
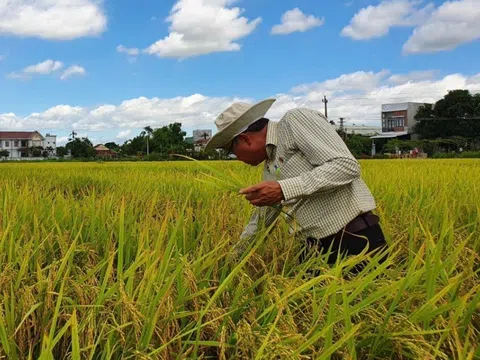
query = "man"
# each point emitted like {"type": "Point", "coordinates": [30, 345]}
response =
{"type": "Point", "coordinates": [309, 170]}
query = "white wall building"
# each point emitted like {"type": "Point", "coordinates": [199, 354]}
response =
{"type": "Point", "coordinates": [18, 143]}
{"type": "Point", "coordinates": [399, 117]}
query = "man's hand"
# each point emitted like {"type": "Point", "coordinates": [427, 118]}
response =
{"type": "Point", "coordinates": [266, 193]}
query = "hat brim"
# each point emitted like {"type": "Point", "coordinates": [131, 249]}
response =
{"type": "Point", "coordinates": [224, 137]}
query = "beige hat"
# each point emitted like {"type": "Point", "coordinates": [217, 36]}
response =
{"type": "Point", "coordinates": [235, 120]}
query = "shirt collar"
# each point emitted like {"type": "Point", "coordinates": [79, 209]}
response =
{"type": "Point", "coordinates": [272, 133]}
{"type": "Point", "coordinates": [271, 141]}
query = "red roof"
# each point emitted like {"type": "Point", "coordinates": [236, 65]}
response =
{"type": "Point", "coordinates": [18, 135]}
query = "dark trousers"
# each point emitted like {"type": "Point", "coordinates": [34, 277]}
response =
{"type": "Point", "coordinates": [345, 243]}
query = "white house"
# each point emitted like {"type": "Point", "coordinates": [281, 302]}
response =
{"type": "Point", "coordinates": [18, 143]}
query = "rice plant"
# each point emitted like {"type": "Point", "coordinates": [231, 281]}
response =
{"type": "Point", "coordinates": [130, 261]}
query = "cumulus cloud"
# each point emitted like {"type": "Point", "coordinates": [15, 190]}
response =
{"type": "Point", "coordinates": [200, 27]}
{"type": "Point", "coordinates": [43, 68]}
{"type": "Point", "coordinates": [412, 76]}
{"type": "Point", "coordinates": [48, 67]}
{"type": "Point", "coordinates": [73, 70]}
{"type": "Point", "coordinates": [452, 24]}
{"type": "Point", "coordinates": [357, 97]}
{"type": "Point", "coordinates": [128, 51]}
{"type": "Point", "coordinates": [124, 135]}
{"type": "Point", "coordinates": [376, 21]}
{"type": "Point", "coordinates": [295, 20]}
{"type": "Point", "coordinates": [52, 19]}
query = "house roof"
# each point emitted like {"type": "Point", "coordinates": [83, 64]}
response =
{"type": "Point", "coordinates": [101, 147]}
{"type": "Point", "coordinates": [389, 135]}
{"type": "Point", "coordinates": [19, 135]}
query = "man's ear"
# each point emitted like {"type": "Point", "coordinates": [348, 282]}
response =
{"type": "Point", "coordinates": [245, 138]}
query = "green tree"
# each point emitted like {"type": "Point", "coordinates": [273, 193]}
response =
{"type": "Point", "coordinates": [147, 133]}
{"type": "Point", "coordinates": [113, 146]}
{"type": "Point", "coordinates": [169, 139]}
{"type": "Point", "coordinates": [134, 146]}
{"type": "Point", "coordinates": [453, 116]}
{"type": "Point", "coordinates": [81, 148]}
{"type": "Point", "coordinates": [4, 153]}
{"type": "Point", "coordinates": [62, 151]}
{"type": "Point", "coordinates": [35, 151]}
{"type": "Point", "coordinates": [358, 145]}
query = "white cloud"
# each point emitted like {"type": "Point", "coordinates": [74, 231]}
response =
{"type": "Point", "coordinates": [43, 68]}
{"type": "Point", "coordinates": [52, 19]}
{"type": "Point", "coordinates": [412, 76]}
{"type": "Point", "coordinates": [357, 81]}
{"type": "Point", "coordinates": [356, 97]}
{"type": "Point", "coordinates": [200, 27]}
{"type": "Point", "coordinates": [452, 24]}
{"type": "Point", "coordinates": [2, 57]}
{"type": "Point", "coordinates": [48, 67]}
{"type": "Point", "coordinates": [73, 70]}
{"type": "Point", "coordinates": [62, 140]}
{"type": "Point", "coordinates": [124, 135]}
{"type": "Point", "coordinates": [295, 20]}
{"type": "Point", "coordinates": [376, 21]}
{"type": "Point", "coordinates": [128, 51]}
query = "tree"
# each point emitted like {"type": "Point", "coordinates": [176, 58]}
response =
{"type": "Point", "coordinates": [4, 153]}
{"type": "Point", "coordinates": [147, 132]}
{"type": "Point", "coordinates": [81, 148]}
{"type": "Point", "coordinates": [62, 151]}
{"type": "Point", "coordinates": [113, 146]}
{"type": "Point", "coordinates": [163, 142]}
{"type": "Point", "coordinates": [72, 135]}
{"type": "Point", "coordinates": [169, 139]}
{"type": "Point", "coordinates": [35, 151]}
{"type": "Point", "coordinates": [49, 151]}
{"type": "Point", "coordinates": [456, 115]}
{"type": "Point", "coordinates": [134, 146]}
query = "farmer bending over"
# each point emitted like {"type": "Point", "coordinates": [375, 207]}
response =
{"type": "Point", "coordinates": [308, 168]}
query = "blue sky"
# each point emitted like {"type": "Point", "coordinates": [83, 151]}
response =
{"type": "Point", "coordinates": [63, 68]}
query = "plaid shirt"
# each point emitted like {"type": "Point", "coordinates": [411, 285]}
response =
{"type": "Point", "coordinates": [319, 177]}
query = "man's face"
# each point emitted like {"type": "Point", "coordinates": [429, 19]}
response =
{"type": "Point", "coordinates": [250, 148]}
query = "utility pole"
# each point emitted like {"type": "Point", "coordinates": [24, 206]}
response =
{"type": "Point", "coordinates": [325, 101]}
{"type": "Point", "coordinates": [342, 128]}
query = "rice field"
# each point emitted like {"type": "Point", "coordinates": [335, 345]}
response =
{"type": "Point", "coordinates": [132, 261]}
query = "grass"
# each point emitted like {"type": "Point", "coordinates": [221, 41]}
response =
{"type": "Point", "coordinates": [131, 261]}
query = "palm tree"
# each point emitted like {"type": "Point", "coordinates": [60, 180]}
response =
{"type": "Point", "coordinates": [72, 135]}
{"type": "Point", "coordinates": [147, 131]}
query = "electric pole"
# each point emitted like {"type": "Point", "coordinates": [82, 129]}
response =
{"type": "Point", "coordinates": [342, 128]}
{"type": "Point", "coordinates": [325, 101]}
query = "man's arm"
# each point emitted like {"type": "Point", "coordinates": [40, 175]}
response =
{"type": "Point", "coordinates": [334, 164]}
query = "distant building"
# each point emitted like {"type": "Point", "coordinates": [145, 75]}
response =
{"type": "Point", "coordinates": [19, 143]}
{"type": "Point", "coordinates": [399, 117]}
{"type": "Point", "coordinates": [199, 135]}
{"type": "Point", "coordinates": [189, 140]}
{"type": "Point", "coordinates": [200, 139]}
{"type": "Point", "coordinates": [362, 130]}
{"type": "Point", "coordinates": [398, 120]}
{"type": "Point", "coordinates": [104, 152]}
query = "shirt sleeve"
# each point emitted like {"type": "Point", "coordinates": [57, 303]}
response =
{"type": "Point", "coordinates": [334, 165]}
{"type": "Point", "coordinates": [262, 216]}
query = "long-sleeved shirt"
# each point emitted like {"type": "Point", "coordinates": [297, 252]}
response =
{"type": "Point", "coordinates": [319, 177]}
